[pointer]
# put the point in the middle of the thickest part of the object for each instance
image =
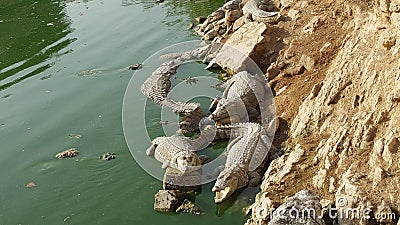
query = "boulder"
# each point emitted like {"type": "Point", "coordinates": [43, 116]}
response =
{"type": "Point", "coordinates": [168, 200]}
{"type": "Point", "coordinates": [176, 180]}
{"type": "Point", "coordinates": [235, 55]}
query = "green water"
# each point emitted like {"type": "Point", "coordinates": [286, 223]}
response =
{"type": "Point", "coordinates": [63, 70]}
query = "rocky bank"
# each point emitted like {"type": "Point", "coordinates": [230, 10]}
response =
{"type": "Point", "coordinates": [335, 69]}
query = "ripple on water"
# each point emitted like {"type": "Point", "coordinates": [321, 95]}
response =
{"type": "Point", "coordinates": [91, 73]}
{"type": "Point", "coordinates": [44, 166]}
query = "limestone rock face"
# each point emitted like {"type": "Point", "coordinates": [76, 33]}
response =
{"type": "Point", "coordinates": [357, 109]}
{"type": "Point", "coordinates": [303, 208]}
{"type": "Point", "coordinates": [352, 116]}
{"type": "Point", "coordinates": [276, 174]}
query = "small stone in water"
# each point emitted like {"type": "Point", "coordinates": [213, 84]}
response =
{"type": "Point", "coordinates": [77, 136]}
{"type": "Point", "coordinates": [7, 95]}
{"type": "Point", "coordinates": [72, 152]}
{"type": "Point", "coordinates": [108, 156]}
{"type": "Point", "coordinates": [136, 66]}
{"type": "Point", "coordinates": [31, 184]}
{"type": "Point", "coordinates": [200, 19]}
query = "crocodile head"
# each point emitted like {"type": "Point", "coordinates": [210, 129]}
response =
{"type": "Point", "coordinates": [187, 162]}
{"type": "Point", "coordinates": [228, 181]}
{"type": "Point", "coordinates": [227, 108]}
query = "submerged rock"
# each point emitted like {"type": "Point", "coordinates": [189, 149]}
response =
{"type": "Point", "coordinates": [31, 184]}
{"type": "Point", "coordinates": [189, 207]}
{"type": "Point", "coordinates": [168, 200]}
{"type": "Point", "coordinates": [204, 159]}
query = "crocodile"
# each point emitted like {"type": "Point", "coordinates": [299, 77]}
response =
{"type": "Point", "coordinates": [179, 152]}
{"type": "Point", "coordinates": [252, 12]}
{"type": "Point", "coordinates": [243, 95]}
{"type": "Point", "coordinates": [220, 23]}
{"type": "Point", "coordinates": [158, 85]}
{"type": "Point", "coordinates": [248, 150]}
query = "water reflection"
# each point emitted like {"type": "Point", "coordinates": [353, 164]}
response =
{"type": "Point", "coordinates": [32, 33]}
{"type": "Point", "coordinates": [179, 10]}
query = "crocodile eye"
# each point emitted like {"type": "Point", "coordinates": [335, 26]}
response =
{"type": "Point", "coordinates": [184, 158]}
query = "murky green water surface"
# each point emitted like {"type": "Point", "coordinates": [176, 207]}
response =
{"type": "Point", "coordinates": [63, 70]}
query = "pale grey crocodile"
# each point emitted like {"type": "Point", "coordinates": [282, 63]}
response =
{"type": "Point", "coordinates": [158, 85]}
{"type": "Point", "coordinates": [219, 23]}
{"type": "Point", "coordinates": [252, 12]}
{"type": "Point", "coordinates": [243, 95]}
{"type": "Point", "coordinates": [248, 151]}
{"type": "Point", "coordinates": [178, 151]}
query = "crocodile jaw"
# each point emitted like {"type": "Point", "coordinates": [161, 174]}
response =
{"type": "Point", "coordinates": [223, 194]}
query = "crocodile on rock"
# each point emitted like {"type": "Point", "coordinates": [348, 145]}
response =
{"type": "Point", "coordinates": [179, 152]}
{"type": "Point", "coordinates": [252, 12]}
{"type": "Point", "coordinates": [220, 22]}
{"type": "Point", "coordinates": [241, 100]}
{"type": "Point", "coordinates": [248, 152]}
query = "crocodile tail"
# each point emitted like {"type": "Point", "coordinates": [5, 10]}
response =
{"type": "Point", "coordinates": [224, 132]}
{"type": "Point", "coordinates": [236, 129]}
{"type": "Point", "coordinates": [179, 107]}
{"type": "Point", "coordinates": [207, 135]}
{"type": "Point", "coordinates": [157, 94]}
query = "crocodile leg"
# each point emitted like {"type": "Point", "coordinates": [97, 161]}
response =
{"type": "Point", "coordinates": [255, 178]}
